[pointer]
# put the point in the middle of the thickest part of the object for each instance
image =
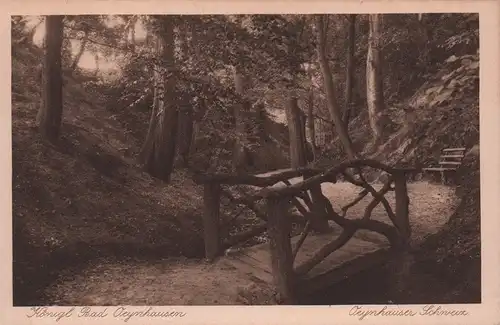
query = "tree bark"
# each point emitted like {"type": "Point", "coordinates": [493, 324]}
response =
{"type": "Point", "coordinates": [296, 126]}
{"type": "Point", "coordinates": [328, 82]}
{"type": "Point", "coordinates": [351, 37]}
{"type": "Point", "coordinates": [310, 123]}
{"type": "Point", "coordinates": [374, 80]}
{"type": "Point", "coordinates": [281, 250]}
{"type": "Point", "coordinates": [158, 152]}
{"type": "Point", "coordinates": [50, 113]}
{"type": "Point", "coordinates": [295, 131]}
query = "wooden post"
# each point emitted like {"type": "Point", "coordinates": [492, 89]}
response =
{"type": "Point", "coordinates": [402, 205]}
{"type": "Point", "coordinates": [281, 249]}
{"type": "Point", "coordinates": [402, 260]}
{"type": "Point", "coordinates": [211, 200]}
{"type": "Point", "coordinates": [319, 220]}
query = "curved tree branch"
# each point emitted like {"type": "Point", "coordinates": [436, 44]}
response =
{"type": "Point", "coordinates": [326, 250]}
{"type": "Point", "coordinates": [378, 197]}
{"type": "Point", "coordinates": [361, 195]}
{"type": "Point", "coordinates": [376, 201]}
{"type": "Point", "coordinates": [302, 238]}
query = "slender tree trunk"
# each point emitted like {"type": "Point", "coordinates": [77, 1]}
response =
{"type": "Point", "coordinates": [298, 143]}
{"type": "Point", "coordinates": [80, 52]}
{"type": "Point", "coordinates": [147, 146]}
{"type": "Point", "coordinates": [96, 60]}
{"type": "Point", "coordinates": [374, 80]}
{"type": "Point", "coordinates": [50, 113]}
{"type": "Point", "coordinates": [310, 123]}
{"type": "Point", "coordinates": [296, 134]}
{"type": "Point", "coordinates": [295, 121]}
{"type": "Point", "coordinates": [333, 106]}
{"type": "Point", "coordinates": [158, 152]}
{"type": "Point", "coordinates": [351, 37]}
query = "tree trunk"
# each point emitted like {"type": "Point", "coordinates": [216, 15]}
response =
{"type": "Point", "coordinates": [281, 250]}
{"type": "Point", "coordinates": [296, 135]}
{"type": "Point", "coordinates": [50, 113]}
{"type": "Point", "coordinates": [147, 147]}
{"type": "Point", "coordinates": [333, 106]}
{"type": "Point", "coordinates": [374, 80]}
{"type": "Point", "coordinates": [295, 121]}
{"type": "Point", "coordinates": [80, 52]}
{"type": "Point", "coordinates": [349, 84]}
{"type": "Point", "coordinates": [96, 60]}
{"type": "Point", "coordinates": [158, 152]}
{"type": "Point", "coordinates": [310, 123]}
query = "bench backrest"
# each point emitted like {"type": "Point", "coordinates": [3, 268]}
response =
{"type": "Point", "coordinates": [451, 157]}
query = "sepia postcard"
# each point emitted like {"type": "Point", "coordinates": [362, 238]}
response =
{"type": "Point", "coordinates": [219, 162]}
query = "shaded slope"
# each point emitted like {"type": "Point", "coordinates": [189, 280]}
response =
{"type": "Point", "coordinates": [81, 199]}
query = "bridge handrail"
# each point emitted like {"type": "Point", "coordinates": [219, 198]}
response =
{"type": "Point", "coordinates": [282, 252]}
{"type": "Point", "coordinates": [278, 200]}
{"type": "Point", "coordinates": [254, 180]}
{"type": "Point", "coordinates": [329, 175]}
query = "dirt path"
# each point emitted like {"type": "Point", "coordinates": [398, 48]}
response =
{"type": "Point", "coordinates": [193, 282]}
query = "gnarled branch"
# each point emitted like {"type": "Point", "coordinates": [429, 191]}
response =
{"type": "Point", "coordinates": [389, 232]}
{"type": "Point", "coordinates": [376, 201]}
{"type": "Point", "coordinates": [326, 250]}
{"type": "Point", "coordinates": [345, 236]}
{"type": "Point", "coordinates": [302, 238]}
{"type": "Point", "coordinates": [377, 196]}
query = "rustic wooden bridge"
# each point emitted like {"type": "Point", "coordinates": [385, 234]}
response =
{"type": "Point", "coordinates": [321, 254]}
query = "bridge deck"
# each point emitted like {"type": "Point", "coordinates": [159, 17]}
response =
{"type": "Point", "coordinates": [355, 256]}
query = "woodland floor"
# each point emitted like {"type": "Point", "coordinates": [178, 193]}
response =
{"type": "Point", "coordinates": [192, 282]}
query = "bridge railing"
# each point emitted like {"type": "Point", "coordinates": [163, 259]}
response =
{"type": "Point", "coordinates": [214, 191]}
{"type": "Point", "coordinates": [308, 198]}
{"type": "Point", "coordinates": [283, 253]}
